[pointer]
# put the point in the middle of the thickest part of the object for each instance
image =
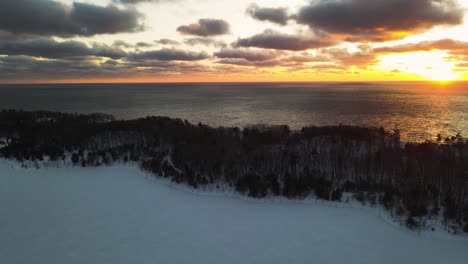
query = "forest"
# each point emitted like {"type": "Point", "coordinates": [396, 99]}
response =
{"type": "Point", "coordinates": [413, 181]}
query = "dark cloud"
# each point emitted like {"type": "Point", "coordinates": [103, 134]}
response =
{"type": "Point", "coordinates": [5, 35]}
{"type": "Point", "coordinates": [167, 42]}
{"type": "Point", "coordinates": [93, 19]}
{"type": "Point", "coordinates": [101, 50]}
{"type": "Point", "coordinates": [51, 18]}
{"type": "Point", "coordinates": [205, 28]}
{"type": "Point", "coordinates": [13, 68]}
{"type": "Point", "coordinates": [49, 48]}
{"type": "Point", "coordinates": [16, 67]}
{"type": "Point", "coordinates": [275, 15]}
{"type": "Point", "coordinates": [205, 42]}
{"type": "Point", "coordinates": [144, 45]}
{"type": "Point", "coordinates": [121, 43]}
{"type": "Point", "coordinates": [326, 58]}
{"type": "Point", "coordinates": [170, 55]}
{"type": "Point", "coordinates": [274, 40]}
{"type": "Point", "coordinates": [245, 54]}
{"type": "Point", "coordinates": [379, 20]}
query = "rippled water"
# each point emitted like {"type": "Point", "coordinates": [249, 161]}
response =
{"type": "Point", "coordinates": [419, 110]}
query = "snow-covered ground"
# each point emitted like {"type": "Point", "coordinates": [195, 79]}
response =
{"type": "Point", "coordinates": [121, 215]}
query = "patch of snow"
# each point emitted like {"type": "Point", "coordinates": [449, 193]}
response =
{"type": "Point", "coordinates": [4, 142]}
{"type": "Point", "coordinates": [45, 119]}
{"type": "Point", "coordinates": [120, 214]}
{"type": "Point", "coordinates": [167, 159]}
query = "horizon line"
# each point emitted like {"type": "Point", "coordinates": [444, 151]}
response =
{"type": "Point", "coordinates": [240, 82]}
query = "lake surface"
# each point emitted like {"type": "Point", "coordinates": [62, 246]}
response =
{"type": "Point", "coordinates": [419, 110]}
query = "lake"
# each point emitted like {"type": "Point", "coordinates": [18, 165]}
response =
{"type": "Point", "coordinates": [419, 110]}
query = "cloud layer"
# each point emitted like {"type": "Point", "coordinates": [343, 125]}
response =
{"type": "Point", "coordinates": [58, 38]}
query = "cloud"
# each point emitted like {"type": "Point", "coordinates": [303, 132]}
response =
{"type": "Point", "coordinates": [94, 19]}
{"type": "Point", "coordinates": [49, 48]}
{"type": "Point", "coordinates": [206, 27]}
{"type": "Point", "coordinates": [325, 58]}
{"type": "Point", "coordinates": [168, 62]}
{"type": "Point", "coordinates": [441, 44]}
{"type": "Point", "coordinates": [166, 41]}
{"type": "Point", "coordinates": [205, 42]}
{"type": "Point", "coordinates": [361, 59]}
{"type": "Point", "coordinates": [46, 58]}
{"type": "Point", "coordinates": [16, 67]}
{"type": "Point", "coordinates": [274, 15]}
{"type": "Point", "coordinates": [245, 62]}
{"type": "Point", "coordinates": [456, 50]}
{"type": "Point", "coordinates": [13, 68]}
{"type": "Point", "coordinates": [379, 20]}
{"type": "Point", "coordinates": [144, 44]}
{"type": "Point", "coordinates": [302, 58]}
{"type": "Point", "coordinates": [121, 43]}
{"type": "Point", "coordinates": [270, 39]}
{"type": "Point", "coordinates": [170, 55]}
{"type": "Point", "coordinates": [246, 54]}
{"type": "Point", "coordinates": [51, 18]}
{"type": "Point", "coordinates": [5, 35]}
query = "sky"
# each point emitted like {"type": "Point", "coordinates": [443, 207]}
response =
{"type": "Point", "coordinates": [232, 40]}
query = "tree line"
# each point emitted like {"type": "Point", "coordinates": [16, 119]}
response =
{"type": "Point", "coordinates": [411, 180]}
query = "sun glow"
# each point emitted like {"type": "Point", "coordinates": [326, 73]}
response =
{"type": "Point", "coordinates": [432, 65]}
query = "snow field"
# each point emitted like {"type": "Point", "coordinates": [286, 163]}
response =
{"type": "Point", "coordinates": [120, 214]}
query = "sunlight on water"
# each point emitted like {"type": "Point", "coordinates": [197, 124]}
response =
{"type": "Point", "coordinates": [419, 110]}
